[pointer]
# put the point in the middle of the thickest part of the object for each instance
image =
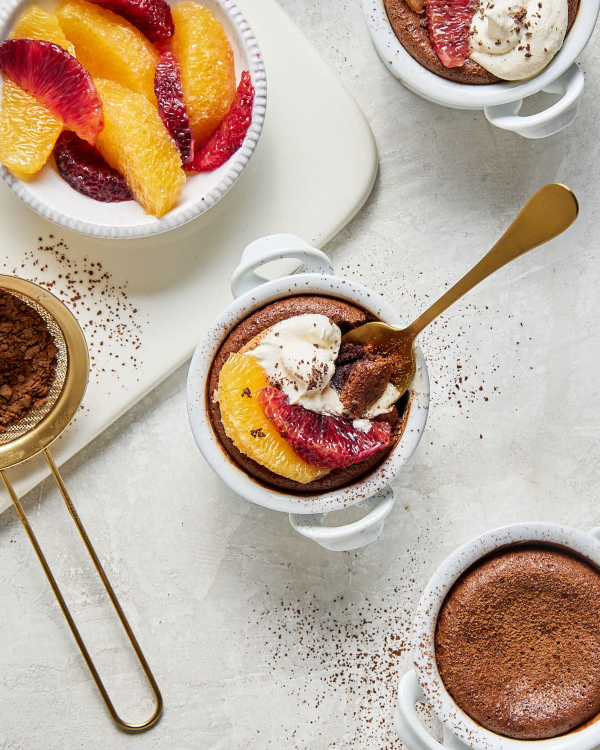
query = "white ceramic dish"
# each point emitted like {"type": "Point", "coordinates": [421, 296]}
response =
{"type": "Point", "coordinates": [252, 292]}
{"type": "Point", "coordinates": [425, 684]}
{"type": "Point", "coordinates": [188, 269]}
{"type": "Point", "coordinates": [49, 195]}
{"type": "Point", "coordinates": [502, 101]}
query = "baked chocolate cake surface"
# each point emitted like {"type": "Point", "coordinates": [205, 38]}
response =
{"type": "Point", "coordinates": [344, 315]}
{"type": "Point", "coordinates": [518, 642]}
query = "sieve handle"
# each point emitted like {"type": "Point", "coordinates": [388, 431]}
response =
{"type": "Point", "coordinates": [109, 590]}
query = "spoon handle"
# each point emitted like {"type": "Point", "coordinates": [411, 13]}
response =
{"type": "Point", "coordinates": [546, 215]}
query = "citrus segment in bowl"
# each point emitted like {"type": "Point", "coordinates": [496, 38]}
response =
{"type": "Point", "coordinates": [245, 423]}
{"type": "Point", "coordinates": [83, 167]}
{"type": "Point", "coordinates": [230, 134]}
{"type": "Point", "coordinates": [28, 130]}
{"type": "Point", "coordinates": [37, 24]}
{"type": "Point", "coordinates": [152, 17]}
{"type": "Point", "coordinates": [171, 104]}
{"type": "Point", "coordinates": [109, 46]}
{"type": "Point", "coordinates": [136, 143]}
{"type": "Point", "coordinates": [57, 81]}
{"type": "Point", "coordinates": [207, 67]}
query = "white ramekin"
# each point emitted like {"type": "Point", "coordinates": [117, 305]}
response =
{"type": "Point", "coordinates": [48, 194]}
{"type": "Point", "coordinates": [424, 682]}
{"type": "Point", "coordinates": [502, 101]}
{"type": "Point", "coordinates": [252, 292]}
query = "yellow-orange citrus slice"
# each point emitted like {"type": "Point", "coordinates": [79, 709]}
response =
{"type": "Point", "coordinates": [245, 423]}
{"type": "Point", "coordinates": [109, 46]}
{"type": "Point", "coordinates": [207, 68]}
{"type": "Point", "coordinates": [136, 143]}
{"type": "Point", "coordinates": [28, 131]}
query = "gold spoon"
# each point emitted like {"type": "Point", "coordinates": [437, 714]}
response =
{"type": "Point", "coordinates": [546, 215]}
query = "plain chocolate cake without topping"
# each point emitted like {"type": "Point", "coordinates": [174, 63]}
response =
{"type": "Point", "coordinates": [518, 642]}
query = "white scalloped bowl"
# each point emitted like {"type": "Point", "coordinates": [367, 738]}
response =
{"type": "Point", "coordinates": [49, 195]}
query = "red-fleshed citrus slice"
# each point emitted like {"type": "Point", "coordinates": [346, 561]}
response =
{"type": "Point", "coordinates": [321, 439]}
{"type": "Point", "coordinates": [449, 24]}
{"type": "Point", "coordinates": [230, 134]}
{"type": "Point", "coordinates": [57, 80]}
{"type": "Point", "coordinates": [152, 17]}
{"type": "Point", "coordinates": [83, 167]}
{"type": "Point", "coordinates": [171, 106]}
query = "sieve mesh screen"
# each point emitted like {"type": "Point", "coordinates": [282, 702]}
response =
{"type": "Point", "coordinates": [35, 415]}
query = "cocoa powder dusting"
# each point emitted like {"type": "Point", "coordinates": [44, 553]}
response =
{"type": "Point", "coordinates": [27, 359]}
{"type": "Point", "coordinates": [112, 325]}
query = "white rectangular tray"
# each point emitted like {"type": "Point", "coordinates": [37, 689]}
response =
{"type": "Point", "coordinates": [313, 169]}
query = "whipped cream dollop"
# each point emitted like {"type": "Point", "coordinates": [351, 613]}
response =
{"type": "Point", "coordinates": [516, 39]}
{"type": "Point", "coordinates": [298, 356]}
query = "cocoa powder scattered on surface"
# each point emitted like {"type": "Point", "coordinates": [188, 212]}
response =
{"type": "Point", "coordinates": [27, 359]}
{"type": "Point", "coordinates": [337, 652]}
{"type": "Point", "coordinates": [112, 324]}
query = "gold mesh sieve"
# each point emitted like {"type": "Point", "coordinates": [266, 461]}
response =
{"type": "Point", "coordinates": [35, 432]}
{"type": "Point", "coordinates": [35, 415]}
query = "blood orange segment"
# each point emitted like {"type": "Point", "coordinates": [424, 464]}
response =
{"type": "Point", "coordinates": [109, 46]}
{"type": "Point", "coordinates": [135, 143]}
{"type": "Point", "coordinates": [57, 80]}
{"type": "Point", "coordinates": [449, 23]}
{"type": "Point", "coordinates": [28, 130]}
{"type": "Point", "coordinates": [230, 134]}
{"type": "Point", "coordinates": [82, 166]}
{"type": "Point", "coordinates": [171, 105]}
{"type": "Point", "coordinates": [321, 439]}
{"type": "Point", "coordinates": [207, 68]}
{"type": "Point", "coordinates": [245, 423]}
{"type": "Point", "coordinates": [151, 17]}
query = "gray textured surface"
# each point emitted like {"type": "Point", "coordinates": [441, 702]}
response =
{"type": "Point", "coordinates": [258, 638]}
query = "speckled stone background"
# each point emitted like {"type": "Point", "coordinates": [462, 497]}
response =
{"type": "Point", "coordinates": [259, 638]}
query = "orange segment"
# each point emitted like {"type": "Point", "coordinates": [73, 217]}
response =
{"type": "Point", "coordinates": [28, 131]}
{"type": "Point", "coordinates": [207, 69]}
{"type": "Point", "coordinates": [109, 46]}
{"type": "Point", "coordinates": [246, 425]}
{"type": "Point", "coordinates": [37, 24]}
{"type": "Point", "coordinates": [135, 142]}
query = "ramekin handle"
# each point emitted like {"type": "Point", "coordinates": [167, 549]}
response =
{"type": "Point", "coordinates": [551, 120]}
{"type": "Point", "coordinates": [595, 533]}
{"type": "Point", "coordinates": [352, 535]}
{"type": "Point", "coordinates": [412, 733]}
{"type": "Point", "coordinates": [271, 248]}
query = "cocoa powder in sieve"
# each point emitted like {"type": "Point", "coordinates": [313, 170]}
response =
{"type": "Point", "coordinates": [27, 359]}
